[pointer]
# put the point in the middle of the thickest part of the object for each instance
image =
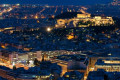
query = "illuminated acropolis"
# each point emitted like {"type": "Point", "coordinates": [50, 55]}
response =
{"type": "Point", "coordinates": [86, 19]}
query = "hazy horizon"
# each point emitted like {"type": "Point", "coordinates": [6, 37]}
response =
{"type": "Point", "coordinates": [57, 2]}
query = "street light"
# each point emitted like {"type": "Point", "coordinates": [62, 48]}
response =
{"type": "Point", "coordinates": [48, 29]}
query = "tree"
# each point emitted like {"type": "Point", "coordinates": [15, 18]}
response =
{"type": "Point", "coordinates": [43, 58]}
{"type": "Point", "coordinates": [28, 62]}
{"type": "Point", "coordinates": [14, 67]}
{"type": "Point", "coordinates": [36, 62]}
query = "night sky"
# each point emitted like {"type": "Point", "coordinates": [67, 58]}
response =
{"type": "Point", "coordinates": [56, 2]}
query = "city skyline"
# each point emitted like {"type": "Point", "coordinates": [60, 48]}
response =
{"type": "Point", "coordinates": [59, 40]}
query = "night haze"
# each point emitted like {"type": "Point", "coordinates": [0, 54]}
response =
{"type": "Point", "coordinates": [57, 2]}
{"type": "Point", "coordinates": [59, 39]}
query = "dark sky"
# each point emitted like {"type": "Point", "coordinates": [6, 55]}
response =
{"type": "Point", "coordinates": [56, 2]}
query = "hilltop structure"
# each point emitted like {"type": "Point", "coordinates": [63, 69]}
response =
{"type": "Point", "coordinates": [84, 20]}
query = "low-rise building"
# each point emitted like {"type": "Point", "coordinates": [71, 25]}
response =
{"type": "Point", "coordinates": [109, 65]}
{"type": "Point", "coordinates": [100, 74]}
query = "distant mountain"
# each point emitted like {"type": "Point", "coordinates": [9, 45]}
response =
{"type": "Point", "coordinates": [57, 2]}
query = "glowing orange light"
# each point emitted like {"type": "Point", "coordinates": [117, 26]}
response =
{"type": "Point", "coordinates": [36, 17]}
{"type": "Point", "coordinates": [3, 46]}
{"type": "Point", "coordinates": [70, 37]}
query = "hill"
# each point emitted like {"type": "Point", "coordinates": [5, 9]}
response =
{"type": "Point", "coordinates": [66, 15]}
